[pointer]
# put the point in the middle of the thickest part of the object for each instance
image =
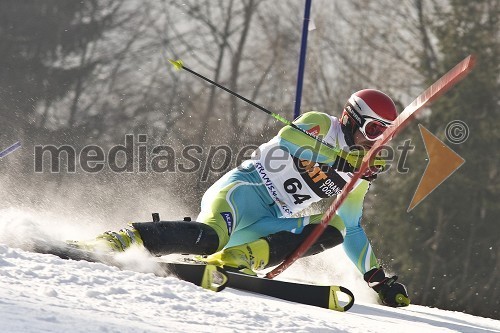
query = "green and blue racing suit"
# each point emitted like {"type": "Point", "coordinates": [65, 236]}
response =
{"type": "Point", "coordinates": [284, 176]}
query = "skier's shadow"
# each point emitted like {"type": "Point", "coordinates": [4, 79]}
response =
{"type": "Point", "coordinates": [464, 326]}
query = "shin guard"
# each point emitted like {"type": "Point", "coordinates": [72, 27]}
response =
{"type": "Point", "coordinates": [167, 237]}
{"type": "Point", "coordinates": [283, 243]}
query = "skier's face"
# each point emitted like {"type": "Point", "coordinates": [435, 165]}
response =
{"type": "Point", "coordinates": [360, 140]}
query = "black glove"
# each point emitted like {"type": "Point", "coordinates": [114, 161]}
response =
{"type": "Point", "coordinates": [352, 162]}
{"type": "Point", "coordinates": [391, 293]}
{"type": "Point", "coordinates": [371, 173]}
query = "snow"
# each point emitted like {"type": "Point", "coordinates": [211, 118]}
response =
{"type": "Point", "coordinates": [43, 293]}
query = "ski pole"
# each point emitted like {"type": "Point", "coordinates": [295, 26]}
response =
{"type": "Point", "coordinates": [351, 158]}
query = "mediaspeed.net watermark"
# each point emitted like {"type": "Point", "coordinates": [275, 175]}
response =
{"type": "Point", "coordinates": [443, 161]}
{"type": "Point", "coordinates": [136, 155]}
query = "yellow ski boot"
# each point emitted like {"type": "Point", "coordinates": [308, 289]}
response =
{"type": "Point", "coordinates": [110, 241]}
{"type": "Point", "coordinates": [245, 258]}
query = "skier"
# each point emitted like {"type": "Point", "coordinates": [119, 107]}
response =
{"type": "Point", "coordinates": [248, 217]}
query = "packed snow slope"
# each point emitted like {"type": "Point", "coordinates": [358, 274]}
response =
{"type": "Point", "coordinates": [43, 293]}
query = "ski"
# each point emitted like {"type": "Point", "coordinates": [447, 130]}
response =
{"type": "Point", "coordinates": [316, 295]}
{"type": "Point", "coordinates": [323, 296]}
{"type": "Point", "coordinates": [215, 278]}
{"type": "Point", "coordinates": [209, 277]}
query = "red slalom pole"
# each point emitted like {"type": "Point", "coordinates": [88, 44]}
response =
{"type": "Point", "coordinates": [443, 84]}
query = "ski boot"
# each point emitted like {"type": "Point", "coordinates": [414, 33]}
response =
{"type": "Point", "coordinates": [244, 258]}
{"type": "Point", "coordinates": [110, 241]}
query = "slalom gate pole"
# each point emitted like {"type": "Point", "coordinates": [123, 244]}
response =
{"type": "Point", "coordinates": [302, 59]}
{"type": "Point", "coordinates": [178, 64]}
{"type": "Point", "coordinates": [443, 84]}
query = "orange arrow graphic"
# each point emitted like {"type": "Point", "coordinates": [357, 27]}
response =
{"type": "Point", "coordinates": [443, 162]}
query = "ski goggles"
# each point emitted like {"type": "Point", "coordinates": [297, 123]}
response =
{"type": "Point", "coordinates": [372, 128]}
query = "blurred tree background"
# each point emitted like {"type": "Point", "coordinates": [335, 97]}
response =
{"type": "Point", "coordinates": [88, 73]}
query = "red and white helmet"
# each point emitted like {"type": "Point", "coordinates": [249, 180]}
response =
{"type": "Point", "coordinates": [370, 111]}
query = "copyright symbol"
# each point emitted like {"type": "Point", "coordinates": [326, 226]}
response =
{"type": "Point", "coordinates": [457, 131]}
